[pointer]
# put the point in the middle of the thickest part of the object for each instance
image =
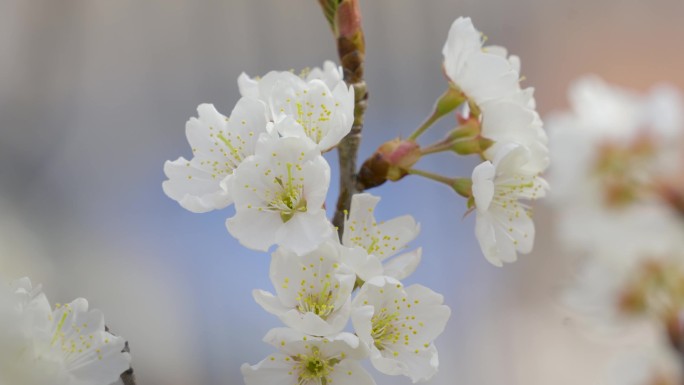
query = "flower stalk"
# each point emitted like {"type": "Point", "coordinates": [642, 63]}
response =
{"type": "Point", "coordinates": [449, 101]}
{"type": "Point", "coordinates": [344, 17]}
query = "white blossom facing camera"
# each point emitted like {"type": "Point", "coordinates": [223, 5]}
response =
{"type": "Point", "coordinates": [313, 291]}
{"type": "Point", "coordinates": [219, 144]}
{"type": "Point", "coordinates": [67, 346]}
{"type": "Point", "coordinates": [279, 195]}
{"type": "Point", "coordinates": [308, 360]}
{"type": "Point", "coordinates": [321, 103]}
{"type": "Point", "coordinates": [380, 241]}
{"type": "Point", "coordinates": [261, 88]}
{"type": "Point", "coordinates": [503, 225]}
{"type": "Point", "coordinates": [323, 115]}
{"type": "Point", "coordinates": [399, 325]}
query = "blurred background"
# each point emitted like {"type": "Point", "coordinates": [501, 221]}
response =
{"type": "Point", "coordinates": [94, 96]}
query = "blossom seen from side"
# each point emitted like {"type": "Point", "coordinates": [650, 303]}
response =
{"type": "Point", "coordinates": [64, 346]}
{"type": "Point", "coordinates": [382, 242]}
{"type": "Point", "coordinates": [309, 360]}
{"type": "Point", "coordinates": [219, 144]}
{"type": "Point", "coordinates": [481, 73]}
{"type": "Point", "coordinates": [313, 291]}
{"type": "Point", "coordinates": [279, 195]}
{"type": "Point", "coordinates": [503, 225]}
{"type": "Point", "coordinates": [399, 325]}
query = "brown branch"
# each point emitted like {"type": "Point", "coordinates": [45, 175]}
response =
{"type": "Point", "coordinates": [128, 377]}
{"type": "Point", "coordinates": [346, 25]}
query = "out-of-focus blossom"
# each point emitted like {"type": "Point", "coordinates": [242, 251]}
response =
{"type": "Point", "coordinates": [610, 155]}
{"type": "Point", "coordinates": [65, 346]}
{"type": "Point", "coordinates": [382, 242]}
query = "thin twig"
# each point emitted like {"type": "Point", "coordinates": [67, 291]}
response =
{"type": "Point", "coordinates": [128, 377]}
{"type": "Point", "coordinates": [346, 24]}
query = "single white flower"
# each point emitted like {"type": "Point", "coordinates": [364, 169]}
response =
{"type": "Point", "coordinates": [309, 360]}
{"type": "Point", "coordinates": [321, 103]}
{"type": "Point", "coordinates": [279, 195]}
{"type": "Point", "coordinates": [67, 346]}
{"type": "Point", "coordinates": [313, 290]}
{"type": "Point", "coordinates": [261, 88]}
{"type": "Point", "coordinates": [481, 73]}
{"type": "Point", "coordinates": [399, 325]}
{"type": "Point", "coordinates": [503, 225]}
{"type": "Point", "coordinates": [490, 80]}
{"type": "Point", "coordinates": [380, 241]}
{"type": "Point", "coordinates": [219, 145]}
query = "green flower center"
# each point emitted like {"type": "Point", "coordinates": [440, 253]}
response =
{"type": "Point", "coordinates": [290, 200]}
{"type": "Point", "coordinates": [320, 303]}
{"type": "Point", "coordinates": [314, 368]}
{"type": "Point", "coordinates": [384, 331]}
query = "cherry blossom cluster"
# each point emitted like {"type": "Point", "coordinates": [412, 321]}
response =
{"type": "Point", "coordinates": [618, 162]}
{"type": "Point", "coordinates": [496, 120]}
{"type": "Point", "coordinates": [505, 114]}
{"type": "Point", "coordinates": [265, 159]}
{"type": "Point", "coordinates": [67, 345]}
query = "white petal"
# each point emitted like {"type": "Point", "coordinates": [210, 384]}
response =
{"type": "Point", "coordinates": [349, 372]}
{"type": "Point", "coordinates": [483, 185]}
{"type": "Point", "coordinates": [403, 265]}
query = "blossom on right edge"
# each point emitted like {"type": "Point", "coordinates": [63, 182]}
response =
{"type": "Point", "coordinates": [503, 225]}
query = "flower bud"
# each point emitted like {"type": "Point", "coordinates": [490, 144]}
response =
{"type": "Point", "coordinates": [391, 161]}
{"type": "Point", "coordinates": [471, 146]}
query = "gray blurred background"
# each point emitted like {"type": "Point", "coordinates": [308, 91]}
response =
{"type": "Point", "coordinates": [94, 95]}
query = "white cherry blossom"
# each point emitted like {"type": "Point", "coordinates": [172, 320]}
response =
{"type": "Point", "coordinates": [490, 80]}
{"type": "Point", "coordinates": [309, 360]}
{"type": "Point", "coordinates": [503, 225]}
{"type": "Point", "coordinates": [261, 88]}
{"type": "Point", "coordinates": [482, 73]}
{"type": "Point", "coordinates": [279, 195]}
{"type": "Point", "coordinates": [399, 325]}
{"type": "Point", "coordinates": [321, 103]}
{"type": "Point", "coordinates": [313, 290]}
{"type": "Point", "coordinates": [219, 144]}
{"type": "Point", "coordinates": [382, 242]}
{"type": "Point", "coordinates": [67, 346]}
